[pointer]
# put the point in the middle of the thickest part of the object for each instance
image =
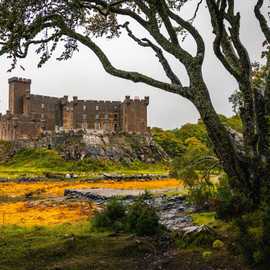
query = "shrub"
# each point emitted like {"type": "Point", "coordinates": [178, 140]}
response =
{"type": "Point", "coordinates": [138, 218]}
{"type": "Point", "coordinates": [142, 219]}
{"type": "Point", "coordinates": [112, 217]}
{"type": "Point", "coordinates": [229, 204]}
{"type": "Point", "coordinates": [202, 195]}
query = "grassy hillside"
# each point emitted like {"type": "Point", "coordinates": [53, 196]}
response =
{"type": "Point", "coordinates": [39, 161]}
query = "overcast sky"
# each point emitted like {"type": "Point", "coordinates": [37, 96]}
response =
{"type": "Point", "coordinates": [84, 76]}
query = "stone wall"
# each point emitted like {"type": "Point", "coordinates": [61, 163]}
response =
{"type": "Point", "coordinates": [90, 114]}
{"type": "Point", "coordinates": [19, 127]}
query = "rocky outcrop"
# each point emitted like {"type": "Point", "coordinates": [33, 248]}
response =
{"type": "Point", "coordinates": [77, 145]}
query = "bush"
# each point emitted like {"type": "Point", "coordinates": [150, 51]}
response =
{"type": "Point", "coordinates": [138, 218]}
{"type": "Point", "coordinates": [112, 217]}
{"type": "Point", "coordinates": [229, 204]}
{"type": "Point", "coordinates": [142, 219]}
{"type": "Point", "coordinates": [202, 195]}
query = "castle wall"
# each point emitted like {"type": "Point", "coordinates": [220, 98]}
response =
{"type": "Point", "coordinates": [92, 115]}
{"type": "Point", "coordinates": [19, 128]}
{"type": "Point", "coordinates": [47, 108]}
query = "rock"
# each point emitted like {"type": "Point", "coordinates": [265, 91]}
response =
{"type": "Point", "coordinates": [197, 229]}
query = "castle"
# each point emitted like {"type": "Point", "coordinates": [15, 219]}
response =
{"type": "Point", "coordinates": [30, 115]}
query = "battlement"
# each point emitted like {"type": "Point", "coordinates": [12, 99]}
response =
{"type": "Point", "coordinates": [136, 99]}
{"type": "Point", "coordinates": [19, 80]}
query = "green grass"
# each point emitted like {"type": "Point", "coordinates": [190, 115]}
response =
{"type": "Point", "coordinates": [209, 218]}
{"type": "Point", "coordinates": [37, 162]}
{"type": "Point", "coordinates": [78, 247]}
{"type": "Point", "coordinates": [67, 247]}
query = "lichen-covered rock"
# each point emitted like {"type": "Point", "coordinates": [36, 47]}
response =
{"type": "Point", "coordinates": [100, 145]}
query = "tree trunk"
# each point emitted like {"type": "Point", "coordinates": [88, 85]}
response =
{"type": "Point", "coordinates": [246, 173]}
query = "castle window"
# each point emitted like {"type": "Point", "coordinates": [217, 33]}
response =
{"type": "Point", "coordinates": [84, 116]}
{"type": "Point", "coordinates": [97, 116]}
{"type": "Point", "coordinates": [42, 116]}
{"type": "Point", "coordinates": [115, 116]}
{"type": "Point", "coordinates": [106, 116]}
{"type": "Point", "coordinates": [84, 107]}
{"type": "Point", "coordinates": [97, 108]}
{"type": "Point", "coordinates": [42, 105]}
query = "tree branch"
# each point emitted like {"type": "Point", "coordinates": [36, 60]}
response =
{"type": "Point", "coordinates": [147, 43]}
{"type": "Point", "coordinates": [133, 76]}
{"type": "Point", "coordinates": [263, 23]}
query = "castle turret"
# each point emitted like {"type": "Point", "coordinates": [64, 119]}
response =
{"type": "Point", "coordinates": [19, 93]}
{"type": "Point", "coordinates": [134, 115]}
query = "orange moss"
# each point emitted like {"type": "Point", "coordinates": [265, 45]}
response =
{"type": "Point", "coordinates": [31, 214]}
{"type": "Point", "coordinates": [53, 189]}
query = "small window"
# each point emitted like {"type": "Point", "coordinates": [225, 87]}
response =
{"type": "Point", "coordinates": [97, 108]}
{"type": "Point", "coordinates": [97, 116]}
{"type": "Point", "coordinates": [84, 116]}
{"type": "Point", "coordinates": [42, 105]}
{"type": "Point", "coordinates": [42, 116]}
{"type": "Point", "coordinates": [106, 116]}
{"type": "Point", "coordinates": [84, 107]}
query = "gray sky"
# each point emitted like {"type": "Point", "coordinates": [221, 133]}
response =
{"type": "Point", "coordinates": [84, 76]}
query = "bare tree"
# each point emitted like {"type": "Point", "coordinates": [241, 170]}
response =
{"type": "Point", "coordinates": [45, 23]}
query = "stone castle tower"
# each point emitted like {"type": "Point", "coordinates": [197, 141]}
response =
{"type": "Point", "coordinates": [30, 115]}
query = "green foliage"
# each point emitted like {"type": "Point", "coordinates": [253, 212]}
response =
{"type": "Point", "coordinates": [168, 140]}
{"type": "Point", "coordinates": [197, 131]}
{"type": "Point", "coordinates": [196, 158]}
{"type": "Point", "coordinates": [142, 219]}
{"type": "Point", "coordinates": [138, 218]}
{"type": "Point", "coordinates": [202, 195]}
{"type": "Point", "coordinates": [253, 238]}
{"type": "Point", "coordinates": [233, 122]}
{"type": "Point", "coordinates": [229, 204]}
{"type": "Point", "coordinates": [112, 217]}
